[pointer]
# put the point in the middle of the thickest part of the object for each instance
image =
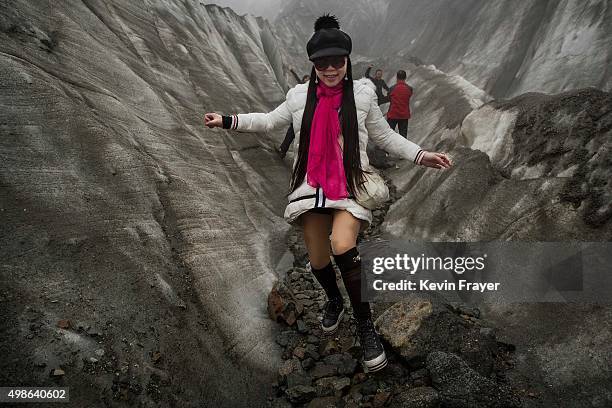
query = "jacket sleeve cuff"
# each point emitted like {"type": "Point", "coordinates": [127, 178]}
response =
{"type": "Point", "coordinates": [230, 122]}
{"type": "Point", "coordinates": [419, 156]}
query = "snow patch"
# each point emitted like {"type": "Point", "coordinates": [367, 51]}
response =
{"type": "Point", "coordinates": [528, 172]}
{"type": "Point", "coordinates": [569, 172]}
{"type": "Point", "coordinates": [489, 130]}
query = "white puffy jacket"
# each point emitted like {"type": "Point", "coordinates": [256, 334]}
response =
{"type": "Point", "coordinates": [371, 124]}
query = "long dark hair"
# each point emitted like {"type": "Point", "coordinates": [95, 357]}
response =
{"type": "Point", "coordinates": [350, 133]}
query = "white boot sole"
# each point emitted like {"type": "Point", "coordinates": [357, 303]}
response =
{"type": "Point", "coordinates": [376, 364]}
{"type": "Point", "coordinates": [332, 329]}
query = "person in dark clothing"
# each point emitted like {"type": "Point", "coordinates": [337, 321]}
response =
{"type": "Point", "coordinates": [399, 111]}
{"type": "Point", "coordinates": [290, 135]}
{"type": "Point", "coordinates": [380, 84]}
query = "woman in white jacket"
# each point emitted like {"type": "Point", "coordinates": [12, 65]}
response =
{"type": "Point", "coordinates": [333, 117]}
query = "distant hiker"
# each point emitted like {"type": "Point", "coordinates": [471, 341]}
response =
{"type": "Point", "coordinates": [334, 117]}
{"type": "Point", "coordinates": [380, 84]}
{"type": "Point", "coordinates": [290, 135]}
{"type": "Point", "coordinates": [399, 111]}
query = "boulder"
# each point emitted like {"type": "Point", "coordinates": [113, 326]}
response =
{"type": "Point", "coordinates": [460, 386]}
{"type": "Point", "coordinates": [421, 325]}
{"type": "Point", "coordinates": [283, 305]}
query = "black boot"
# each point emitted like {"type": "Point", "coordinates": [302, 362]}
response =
{"type": "Point", "coordinates": [334, 307]}
{"type": "Point", "coordinates": [374, 357]}
{"type": "Point", "coordinates": [332, 315]}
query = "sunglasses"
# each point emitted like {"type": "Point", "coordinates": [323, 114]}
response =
{"type": "Point", "coordinates": [336, 61]}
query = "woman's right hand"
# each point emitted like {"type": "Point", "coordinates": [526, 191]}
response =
{"type": "Point", "coordinates": [436, 160]}
{"type": "Point", "coordinates": [213, 120]}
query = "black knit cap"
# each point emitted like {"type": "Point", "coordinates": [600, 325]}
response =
{"type": "Point", "coordinates": [328, 39]}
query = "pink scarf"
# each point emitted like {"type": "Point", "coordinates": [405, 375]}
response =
{"type": "Point", "coordinates": [325, 168]}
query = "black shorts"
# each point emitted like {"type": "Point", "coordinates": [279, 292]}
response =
{"type": "Point", "coordinates": [329, 211]}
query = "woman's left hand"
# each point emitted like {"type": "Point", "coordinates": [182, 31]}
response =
{"type": "Point", "coordinates": [436, 160]}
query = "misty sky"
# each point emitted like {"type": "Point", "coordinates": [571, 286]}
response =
{"type": "Point", "coordinates": [265, 8]}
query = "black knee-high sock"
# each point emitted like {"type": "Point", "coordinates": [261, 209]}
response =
{"type": "Point", "coordinates": [327, 279]}
{"type": "Point", "coordinates": [349, 264]}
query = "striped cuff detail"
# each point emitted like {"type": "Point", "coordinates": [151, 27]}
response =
{"type": "Point", "coordinates": [230, 122]}
{"type": "Point", "coordinates": [419, 156]}
{"type": "Point", "coordinates": [226, 122]}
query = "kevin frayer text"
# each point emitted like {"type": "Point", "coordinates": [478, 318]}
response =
{"type": "Point", "coordinates": [428, 285]}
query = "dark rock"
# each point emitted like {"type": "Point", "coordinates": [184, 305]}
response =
{"type": "Point", "coordinates": [419, 397]}
{"type": "Point", "coordinates": [359, 378]}
{"type": "Point", "coordinates": [354, 393]}
{"type": "Point", "coordinates": [324, 402]}
{"type": "Point", "coordinates": [380, 399]}
{"type": "Point", "coordinates": [312, 339]}
{"type": "Point", "coordinates": [323, 370]}
{"type": "Point", "coordinates": [369, 386]}
{"type": "Point", "coordinates": [465, 310]}
{"type": "Point", "coordinates": [287, 338]}
{"type": "Point", "coordinates": [299, 352]}
{"type": "Point", "coordinates": [329, 346]}
{"type": "Point", "coordinates": [288, 367]}
{"type": "Point", "coordinates": [298, 377]}
{"type": "Point", "coordinates": [280, 403]}
{"type": "Point", "coordinates": [283, 305]}
{"type": "Point", "coordinates": [64, 324]}
{"type": "Point", "coordinates": [300, 393]}
{"type": "Point", "coordinates": [302, 327]}
{"type": "Point", "coordinates": [345, 363]}
{"type": "Point", "coordinates": [420, 377]}
{"type": "Point", "coordinates": [332, 385]}
{"type": "Point", "coordinates": [310, 351]}
{"type": "Point", "coordinates": [308, 363]}
{"type": "Point", "coordinates": [156, 356]}
{"type": "Point", "coordinates": [394, 371]}
{"type": "Point", "coordinates": [460, 386]}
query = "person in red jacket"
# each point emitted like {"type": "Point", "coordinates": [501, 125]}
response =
{"type": "Point", "coordinates": [399, 111]}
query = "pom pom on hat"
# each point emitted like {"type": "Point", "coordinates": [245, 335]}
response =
{"type": "Point", "coordinates": [326, 21]}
